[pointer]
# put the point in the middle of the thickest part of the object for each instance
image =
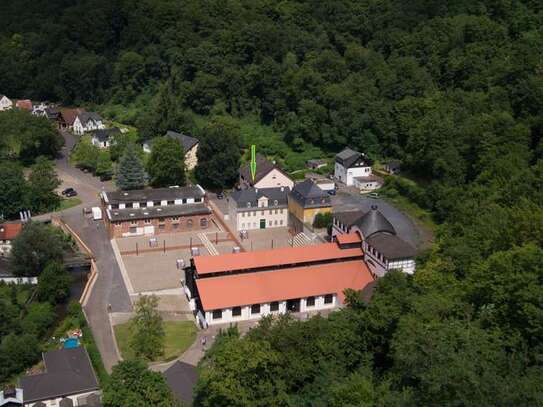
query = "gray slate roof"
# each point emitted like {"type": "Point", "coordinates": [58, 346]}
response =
{"type": "Point", "coordinates": [263, 167]}
{"type": "Point", "coordinates": [348, 218]}
{"type": "Point", "coordinates": [181, 378]}
{"type": "Point", "coordinates": [374, 221]}
{"type": "Point", "coordinates": [252, 195]}
{"type": "Point", "coordinates": [391, 246]}
{"type": "Point", "coordinates": [348, 157]}
{"type": "Point", "coordinates": [119, 215]}
{"type": "Point", "coordinates": [52, 113]}
{"type": "Point", "coordinates": [84, 117]}
{"type": "Point", "coordinates": [187, 142]}
{"type": "Point", "coordinates": [105, 134]}
{"type": "Point", "coordinates": [309, 195]}
{"type": "Point", "coordinates": [68, 371]}
{"type": "Point", "coordinates": [154, 194]}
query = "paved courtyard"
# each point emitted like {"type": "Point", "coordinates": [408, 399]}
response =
{"type": "Point", "coordinates": [266, 239]}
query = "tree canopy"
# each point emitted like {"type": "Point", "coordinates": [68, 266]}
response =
{"type": "Point", "coordinates": [166, 164]}
{"type": "Point", "coordinates": [130, 170]}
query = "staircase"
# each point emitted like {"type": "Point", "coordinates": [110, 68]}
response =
{"type": "Point", "coordinates": [301, 239]}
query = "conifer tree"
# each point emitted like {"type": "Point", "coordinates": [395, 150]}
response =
{"type": "Point", "coordinates": [130, 171]}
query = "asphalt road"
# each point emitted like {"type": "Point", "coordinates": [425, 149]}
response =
{"type": "Point", "coordinates": [109, 287]}
{"type": "Point", "coordinates": [405, 228]}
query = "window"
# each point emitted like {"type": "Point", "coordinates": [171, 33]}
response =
{"type": "Point", "coordinates": [236, 311]}
{"type": "Point", "coordinates": [255, 309]}
{"type": "Point", "coordinates": [171, 202]}
{"type": "Point", "coordinates": [134, 222]}
{"type": "Point", "coordinates": [115, 206]}
{"type": "Point", "coordinates": [197, 199]}
{"type": "Point", "coordinates": [242, 214]}
{"type": "Point", "coordinates": [275, 212]}
{"type": "Point", "coordinates": [156, 203]}
{"type": "Point", "coordinates": [269, 223]}
{"type": "Point", "coordinates": [310, 302]}
{"type": "Point", "coordinates": [143, 204]}
{"type": "Point", "coordinates": [254, 213]}
{"type": "Point", "coordinates": [275, 202]}
{"type": "Point", "coordinates": [175, 226]}
{"type": "Point", "coordinates": [328, 298]}
{"type": "Point", "coordinates": [128, 205]}
{"type": "Point", "coordinates": [189, 223]}
{"type": "Point", "coordinates": [203, 222]}
{"type": "Point", "coordinates": [281, 222]}
{"type": "Point", "coordinates": [133, 229]}
{"type": "Point", "coordinates": [175, 218]}
{"type": "Point", "coordinates": [270, 212]}
{"type": "Point", "coordinates": [248, 204]}
{"type": "Point", "coordinates": [243, 225]}
{"type": "Point", "coordinates": [147, 221]}
{"type": "Point", "coordinates": [162, 227]}
{"type": "Point", "coordinates": [184, 200]}
{"type": "Point", "coordinates": [275, 223]}
{"type": "Point", "coordinates": [281, 211]}
{"type": "Point", "coordinates": [274, 306]}
{"type": "Point", "coordinates": [217, 313]}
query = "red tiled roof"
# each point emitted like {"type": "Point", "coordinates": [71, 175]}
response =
{"type": "Point", "coordinates": [270, 258]}
{"type": "Point", "coordinates": [69, 115]}
{"type": "Point", "coordinates": [349, 238]}
{"type": "Point", "coordinates": [261, 287]}
{"type": "Point", "coordinates": [9, 231]}
{"type": "Point", "coordinates": [25, 104]}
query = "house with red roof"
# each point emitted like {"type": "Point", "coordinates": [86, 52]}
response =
{"type": "Point", "coordinates": [8, 232]}
{"type": "Point", "coordinates": [24, 104]}
{"type": "Point", "coordinates": [247, 286]}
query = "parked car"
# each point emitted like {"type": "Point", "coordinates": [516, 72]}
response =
{"type": "Point", "coordinates": [373, 195]}
{"type": "Point", "coordinates": [220, 195]}
{"type": "Point", "coordinates": [331, 191]}
{"type": "Point", "coordinates": [107, 176]}
{"type": "Point", "coordinates": [67, 191]}
{"type": "Point", "coordinates": [70, 193]}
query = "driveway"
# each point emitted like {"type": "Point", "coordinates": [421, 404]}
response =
{"type": "Point", "coordinates": [405, 228]}
{"type": "Point", "coordinates": [109, 286]}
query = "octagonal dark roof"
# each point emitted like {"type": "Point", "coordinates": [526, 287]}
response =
{"type": "Point", "coordinates": [374, 221]}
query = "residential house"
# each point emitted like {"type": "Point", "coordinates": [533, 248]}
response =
{"type": "Point", "coordinates": [259, 208]}
{"type": "Point", "coordinates": [181, 379]}
{"type": "Point", "coordinates": [155, 211]}
{"type": "Point", "coordinates": [190, 147]}
{"type": "Point", "coordinates": [87, 121]}
{"type": "Point", "coordinates": [249, 285]}
{"type": "Point", "coordinates": [393, 167]}
{"type": "Point", "coordinates": [8, 232]}
{"type": "Point", "coordinates": [68, 380]}
{"type": "Point", "coordinates": [105, 137]}
{"type": "Point", "coordinates": [38, 108]}
{"type": "Point", "coordinates": [6, 276]}
{"type": "Point", "coordinates": [267, 175]}
{"type": "Point", "coordinates": [5, 103]}
{"type": "Point", "coordinates": [383, 249]}
{"type": "Point", "coordinates": [24, 104]}
{"type": "Point", "coordinates": [306, 201]}
{"type": "Point", "coordinates": [326, 184]}
{"type": "Point", "coordinates": [11, 397]}
{"type": "Point", "coordinates": [315, 164]}
{"type": "Point", "coordinates": [69, 116]}
{"type": "Point", "coordinates": [352, 168]}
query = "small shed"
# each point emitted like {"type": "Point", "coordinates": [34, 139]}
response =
{"type": "Point", "coordinates": [315, 164]}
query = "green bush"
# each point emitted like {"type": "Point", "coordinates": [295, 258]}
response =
{"type": "Point", "coordinates": [322, 220]}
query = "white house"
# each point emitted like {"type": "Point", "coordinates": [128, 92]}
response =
{"type": "Point", "coordinates": [105, 137]}
{"type": "Point", "coordinates": [267, 175]}
{"type": "Point", "coordinates": [383, 249]}
{"type": "Point", "coordinates": [87, 121]}
{"type": "Point", "coordinates": [259, 208]}
{"type": "Point", "coordinates": [5, 103]}
{"type": "Point", "coordinates": [351, 164]}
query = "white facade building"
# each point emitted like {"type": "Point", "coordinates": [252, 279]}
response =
{"type": "Point", "coordinates": [267, 175]}
{"type": "Point", "coordinates": [87, 121]}
{"type": "Point", "coordinates": [259, 208]}
{"type": "Point", "coordinates": [5, 103]}
{"type": "Point", "coordinates": [351, 164]}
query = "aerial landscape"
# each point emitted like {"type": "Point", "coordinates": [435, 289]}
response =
{"type": "Point", "coordinates": [271, 203]}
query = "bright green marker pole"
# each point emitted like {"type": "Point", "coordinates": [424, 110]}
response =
{"type": "Point", "coordinates": [253, 162]}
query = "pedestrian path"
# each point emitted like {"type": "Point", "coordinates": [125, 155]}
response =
{"type": "Point", "coordinates": [301, 239]}
{"type": "Point", "coordinates": [208, 245]}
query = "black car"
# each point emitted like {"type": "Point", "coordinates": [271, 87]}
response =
{"type": "Point", "coordinates": [107, 176]}
{"type": "Point", "coordinates": [331, 191]}
{"type": "Point", "coordinates": [69, 192]}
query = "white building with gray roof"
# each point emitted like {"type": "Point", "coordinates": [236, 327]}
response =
{"type": "Point", "coordinates": [354, 169]}
{"type": "Point", "coordinates": [259, 208]}
{"type": "Point", "coordinates": [383, 249]}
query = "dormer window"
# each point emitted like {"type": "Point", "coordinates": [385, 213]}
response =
{"type": "Point", "coordinates": [248, 204]}
{"type": "Point", "coordinates": [275, 202]}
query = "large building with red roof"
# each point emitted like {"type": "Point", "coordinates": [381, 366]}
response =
{"type": "Point", "coordinates": [247, 286]}
{"type": "Point", "coordinates": [8, 232]}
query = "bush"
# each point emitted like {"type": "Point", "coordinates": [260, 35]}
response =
{"type": "Point", "coordinates": [322, 220]}
{"type": "Point", "coordinates": [54, 284]}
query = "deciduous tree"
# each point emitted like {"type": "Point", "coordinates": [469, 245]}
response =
{"type": "Point", "coordinates": [166, 165]}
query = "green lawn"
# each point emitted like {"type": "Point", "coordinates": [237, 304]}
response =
{"type": "Point", "coordinates": [179, 336]}
{"type": "Point", "coordinates": [68, 203]}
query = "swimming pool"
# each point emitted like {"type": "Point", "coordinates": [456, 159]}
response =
{"type": "Point", "coordinates": [71, 343]}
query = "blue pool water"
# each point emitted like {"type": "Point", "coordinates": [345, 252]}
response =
{"type": "Point", "coordinates": [71, 343]}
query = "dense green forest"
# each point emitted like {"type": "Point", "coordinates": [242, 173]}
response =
{"type": "Point", "coordinates": [452, 88]}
